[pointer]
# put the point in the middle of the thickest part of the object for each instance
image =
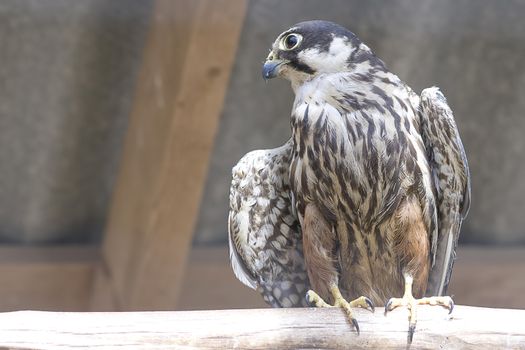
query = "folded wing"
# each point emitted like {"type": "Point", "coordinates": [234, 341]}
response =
{"type": "Point", "coordinates": [451, 177]}
{"type": "Point", "coordinates": [264, 233]}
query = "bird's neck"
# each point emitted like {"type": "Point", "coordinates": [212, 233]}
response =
{"type": "Point", "coordinates": [370, 67]}
{"type": "Point", "coordinates": [299, 80]}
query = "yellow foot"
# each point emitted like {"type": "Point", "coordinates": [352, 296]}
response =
{"type": "Point", "coordinates": [411, 304]}
{"type": "Point", "coordinates": [363, 302]}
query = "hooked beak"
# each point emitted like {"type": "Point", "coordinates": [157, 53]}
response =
{"type": "Point", "coordinates": [271, 68]}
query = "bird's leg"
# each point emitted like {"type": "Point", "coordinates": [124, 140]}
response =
{"type": "Point", "coordinates": [319, 243]}
{"type": "Point", "coordinates": [313, 298]}
{"type": "Point", "coordinates": [411, 304]}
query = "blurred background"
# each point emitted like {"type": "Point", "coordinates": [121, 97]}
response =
{"type": "Point", "coordinates": [120, 122]}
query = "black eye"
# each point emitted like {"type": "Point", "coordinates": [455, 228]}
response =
{"type": "Point", "coordinates": [291, 41]}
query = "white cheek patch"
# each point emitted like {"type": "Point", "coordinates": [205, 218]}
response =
{"type": "Point", "coordinates": [333, 60]}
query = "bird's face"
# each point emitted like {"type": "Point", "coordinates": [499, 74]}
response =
{"type": "Point", "coordinates": [311, 48]}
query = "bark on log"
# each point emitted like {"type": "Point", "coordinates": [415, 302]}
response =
{"type": "Point", "coordinates": [466, 328]}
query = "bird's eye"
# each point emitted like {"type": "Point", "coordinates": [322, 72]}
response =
{"type": "Point", "coordinates": [291, 41]}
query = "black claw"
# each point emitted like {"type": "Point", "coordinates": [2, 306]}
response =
{"type": "Point", "coordinates": [356, 325]}
{"type": "Point", "coordinates": [370, 304]}
{"type": "Point", "coordinates": [451, 307]}
{"type": "Point", "coordinates": [411, 330]}
{"type": "Point", "coordinates": [307, 297]}
{"type": "Point", "coordinates": [387, 306]}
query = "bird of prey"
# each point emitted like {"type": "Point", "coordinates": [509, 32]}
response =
{"type": "Point", "coordinates": [377, 178]}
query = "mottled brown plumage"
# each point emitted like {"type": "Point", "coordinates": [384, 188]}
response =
{"type": "Point", "coordinates": [264, 234]}
{"type": "Point", "coordinates": [379, 174]}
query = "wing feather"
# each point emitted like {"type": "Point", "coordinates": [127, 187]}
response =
{"type": "Point", "coordinates": [451, 177]}
{"type": "Point", "coordinates": [239, 268]}
{"type": "Point", "coordinates": [264, 232]}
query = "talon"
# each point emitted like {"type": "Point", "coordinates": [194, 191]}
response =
{"type": "Point", "coordinates": [339, 301]}
{"type": "Point", "coordinates": [356, 325]}
{"type": "Point", "coordinates": [451, 306]}
{"type": "Point", "coordinates": [315, 300]}
{"type": "Point", "coordinates": [411, 330]}
{"type": "Point", "coordinates": [370, 304]}
{"type": "Point", "coordinates": [308, 299]}
{"type": "Point", "coordinates": [387, 306]}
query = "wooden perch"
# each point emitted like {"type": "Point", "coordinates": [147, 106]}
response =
{"type": "Point", "coordinates": [466, 328]}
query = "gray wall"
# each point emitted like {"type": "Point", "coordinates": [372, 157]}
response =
{"type": "Point", "coordinates": [474, 50]}
{"type": "Point", "coordinates": [67, 74]}
{"type": "Point", "coordinates": [67, 71]}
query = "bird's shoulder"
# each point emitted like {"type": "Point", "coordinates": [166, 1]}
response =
{"type": "Point", "coordinates": [259, 167]}
{"type": "Point", "coordinates": [381, 98]}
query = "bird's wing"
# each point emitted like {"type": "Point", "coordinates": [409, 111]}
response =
{"type": "Point", "coordinates": [238, 265]}
{"type": "Point", "coordinates": [451, 177]}
{"type": "Point", "coordinates": [264, 232]}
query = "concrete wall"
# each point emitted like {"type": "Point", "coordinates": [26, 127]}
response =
{"type": "Point", "coordinates": [67, 74]}
{"type": "Point", "coordinates": [474, 50]}
{"type": "Point", "coordinates": [67, 71]}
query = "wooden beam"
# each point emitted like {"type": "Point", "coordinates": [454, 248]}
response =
{"type": "Point", "coordinates": [181, 88]}
{"type": "Point", "coordinates": [60, 278]}
{"type": "Point", "coordinates": [209, 283]}
{"type": "Point", "coordinates": [46, 278]}
{"type": "Point", "coordinates": [482, 276]}
{"type": "Point", "coordinates": [466, 328]}
{"type": "Point", "coordinates": [489, 276]}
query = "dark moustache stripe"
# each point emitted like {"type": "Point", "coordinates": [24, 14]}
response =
{"type": "Point", "coordinates": [301, 67]}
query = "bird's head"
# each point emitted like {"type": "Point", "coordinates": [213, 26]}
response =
{"type": "Point", "coordinates": [315, 47]}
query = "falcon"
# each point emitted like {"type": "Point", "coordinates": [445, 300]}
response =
{"type": "Point", "coordinates": [377, 179]}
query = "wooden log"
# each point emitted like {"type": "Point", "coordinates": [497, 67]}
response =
{"type": "Point", "coordinates": [466, 328]}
